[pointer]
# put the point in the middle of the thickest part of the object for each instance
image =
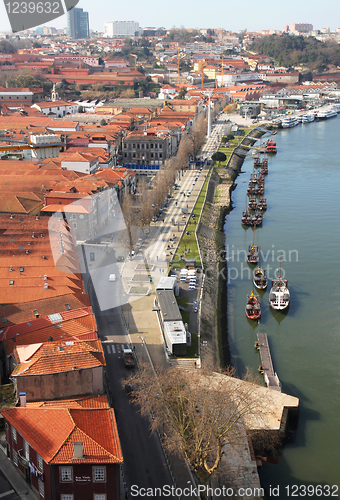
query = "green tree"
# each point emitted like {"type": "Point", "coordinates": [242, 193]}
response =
{"type": "Point", "coordinates": [219, 156]}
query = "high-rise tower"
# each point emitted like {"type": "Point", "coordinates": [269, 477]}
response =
{"type": "Point", "coordinates": [78, 23]}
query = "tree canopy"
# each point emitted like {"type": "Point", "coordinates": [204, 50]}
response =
{"type": "Point", "coordinates": [219, 156]}
{"type": "Point", "coordinates": [287, 50]}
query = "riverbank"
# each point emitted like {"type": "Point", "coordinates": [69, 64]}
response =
{"type": "Point", "coordinates": [211, 239]}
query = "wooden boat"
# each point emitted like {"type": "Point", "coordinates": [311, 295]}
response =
{"type": "Point", "coordinates": [257, 219]}
{"type": "Point", "coordinates": [253, 309]}
{"type": "Point", "coordinates": [260, 279]}
{"type": "Point", "coordinates": [262, 204]}
{"type": "Point", "coordinates": [257, 161]}
{"type": "Point", "coordinates": [264, 162]}
{"type": "Point", "coordinates": [252, 204]}
{"type": "Point", "coordinates": [253, 254]}
{"type": "Point", "coordinates": [260, 178]}
{"type": "Point", "coordinates": [264, 171]}
{"type": "Point", "coordinates": [251, 190]}
{"type": "Point", "coordinates": [259, 190]}
{"type": "Point", "coordinates": [279, 296]}
{"type": "Point", "coordinates": [253, 179]}
{"type": "Point", "coordinates": [271, 147]}
{"type": "Point", "coordinates": [246, 219]}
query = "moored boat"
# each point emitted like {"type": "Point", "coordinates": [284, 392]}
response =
{"type": "Point", "coordinates": [279, 296]}
{"type": "Point", "coordinates": [290, 121]}
{"type": "Point", "coordinates": [325, 113]}
{"type": "Point", "coordinates": [253, 252]}
{"type": "Point", "coordinates": [259, 190]}
{"type": "Point", "coordinates": [262, 204]}
{"type": "Point", "coordinates": [308, 117]}
{"type": "Point", "coordinates": [246, 218]}
{"type": "Point", "coordinates": [257, 219]}
{"type": "Point", "coordinates": [271, 147]}
{"type": "Point", "coordinates": [253, 309]}
{"type": "Point", "coordinates": [259, 278]}
{"type": "Point", "coordinates": [252, 204]}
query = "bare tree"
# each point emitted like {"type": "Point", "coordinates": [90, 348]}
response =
{"type": "Point", "coordinates": [197, 411]}
{"type": "Point", "coordinates": [129, 213]}
{"type": "Point", "coordinates": [197, 135]}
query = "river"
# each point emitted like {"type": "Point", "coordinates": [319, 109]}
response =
{"type": "Point", "coordinates": [302, 225]}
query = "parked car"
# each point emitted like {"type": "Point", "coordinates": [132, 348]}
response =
{"type": "Point", "coordinates": [112, 277]}
{"type": "Point", "coordinates": [120, 258]}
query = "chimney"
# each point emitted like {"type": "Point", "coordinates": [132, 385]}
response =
{"type": "Point", "coordinates": [78, 450]}
{"type": "Point", "coordinates": [22, 397]}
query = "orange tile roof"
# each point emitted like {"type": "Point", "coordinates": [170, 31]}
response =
{"type": "Point", "coordinates": [14, 314]}
{"type": "Point", "coordinates": [90, 401]}
{"type": "Point", "coordinates": [56, 357]}
{"type": "Point", "coordinates": [52, 431]}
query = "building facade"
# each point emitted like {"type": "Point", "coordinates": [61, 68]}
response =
{"type": "Point", "coordinates": [78, 23]}
{"type": "Point", "coordinates": [121, 29]}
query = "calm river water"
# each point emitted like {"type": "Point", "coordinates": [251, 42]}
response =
{"type": "Point", "coordinates": [302, 221]}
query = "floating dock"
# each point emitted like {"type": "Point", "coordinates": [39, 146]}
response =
{"type": "Point", "coordinates": [270, 376]}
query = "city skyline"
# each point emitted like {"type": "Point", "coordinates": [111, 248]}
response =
{"type": "Point", "coordinates": [265, 16]}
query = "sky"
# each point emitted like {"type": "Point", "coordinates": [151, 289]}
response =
{"type": "Point", "coordinates": [230, 15]}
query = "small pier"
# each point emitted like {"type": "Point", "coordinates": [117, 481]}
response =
{"type": "Point", "coordinates": [270, 377]}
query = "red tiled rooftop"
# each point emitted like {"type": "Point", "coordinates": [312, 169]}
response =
{"type": "Point", "coordinates": [52, 431]}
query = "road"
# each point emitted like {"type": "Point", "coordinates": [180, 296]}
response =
{"type": "Point", "coordinates": [144, 461]}
{"type": "Point", "coordinates": [7, 491]}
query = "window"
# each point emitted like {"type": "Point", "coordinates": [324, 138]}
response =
{"type": "Point", "coordinates": [40, 463]}
{"type": "Point", "coordinates": [74, 225]}
{"type": "Point", "coordinates": [26, 449]}
{"type": "Point", "coordinates": [99, 474]}
{"type": "Point", "coordinates": [125, 155]}
{"type": "Point", "coordinates": [151, 155]}
{"type": "Point", "coordinates": [41, 489]}
{"type": "Point", "coordinates": [160, 146]}
{"type": "Point", "coordinates": [99, 497]}
{"type": "Point", "coordinates": [151, 145]}
{"type": "Point", "coordinates": [133, 146]}
{"type": "Point", "coordinates": [14, 434]}
{"type": "Point", "coordinates": [15, 458]}
{"type": "Point", "coordinates": [65, 474]}
{"type": "Point", "coordinates": [160, 155]}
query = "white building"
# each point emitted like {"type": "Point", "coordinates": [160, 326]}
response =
{"type": "Point", "coordinates": [57, 108]}
{"type": "Point", "coordinates": [121, 29]}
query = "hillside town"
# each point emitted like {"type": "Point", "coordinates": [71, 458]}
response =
{"type": "Point", "coordinates": [106, 146]}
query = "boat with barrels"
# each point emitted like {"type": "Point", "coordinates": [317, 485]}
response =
{"type": "Point", "coordinates": [252, 204]}
{"type": "Point", "coordinates": [262, 204]}
{"type": "Point", "coordinates": [246, 218]}
{"type": "Point", "coordinates": [253, 308]}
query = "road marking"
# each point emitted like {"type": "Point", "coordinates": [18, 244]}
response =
{"type": "Point", "coordinates": [108, 349]}
{"type": "Point", "coordinates": [113, 347]}
{"type": "Point", "coordinates": [9, 492]}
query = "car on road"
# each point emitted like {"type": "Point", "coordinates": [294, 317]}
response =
{"type": "Point", "coordinates": [112, 277]}
{"type": "Point", "coordinates": [120, 258]}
